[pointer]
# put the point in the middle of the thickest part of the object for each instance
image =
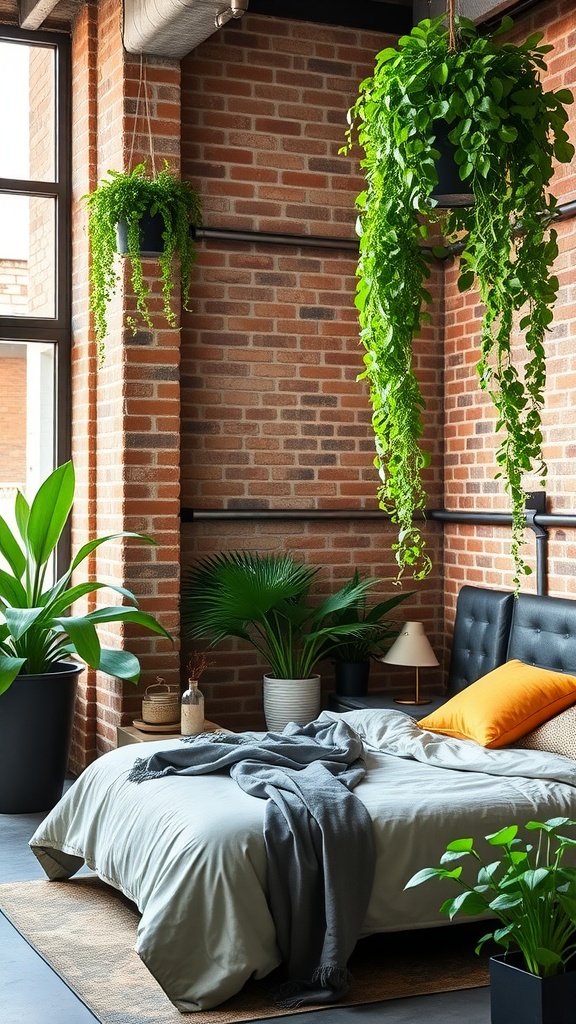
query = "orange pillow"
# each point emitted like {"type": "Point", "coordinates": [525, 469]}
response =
{"type": "Point", "coordinates": [505, 704]}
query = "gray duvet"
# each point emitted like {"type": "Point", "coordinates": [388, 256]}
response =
{"type": "Point", "coordinates": [190, 851]}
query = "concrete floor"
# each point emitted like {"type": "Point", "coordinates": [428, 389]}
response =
{"type": "Point", "coordinates": [30, 992]}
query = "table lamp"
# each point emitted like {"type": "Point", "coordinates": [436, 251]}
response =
{"type": "Point", "coordinates": [411, 647]}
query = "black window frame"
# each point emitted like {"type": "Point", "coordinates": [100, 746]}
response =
{"type": "Point", "coordinates": [57, 329]}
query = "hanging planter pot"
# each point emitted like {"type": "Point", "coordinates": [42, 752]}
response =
{"type": "Point", "coordinates": [508, 134]}
{"type": "Point", "coordinates": [151, 235]}
{"type": "Point", "coordinates": [120, 219]}
{"type": "Point", "coordinates": [449, 192]}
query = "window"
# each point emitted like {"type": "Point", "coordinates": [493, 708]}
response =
{"type": "Point", "coordinates": [35, 316]}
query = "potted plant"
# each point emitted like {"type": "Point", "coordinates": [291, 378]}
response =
{"type": "Point", "coordinates": [265, 600]}
{"type": "Point", "coordinates": [532, 893]}
{"type": "Point", "coordinates": [352, 657]}
{"type": "Point", "coordinates": [40, 644]}
{"type": "Point", "coordinates": [485, 98]}
{"type": "Point", "coordinates": [128, 201]}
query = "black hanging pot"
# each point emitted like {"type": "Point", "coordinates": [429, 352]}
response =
{"type": "Point", "coordinates": [351, 678]}
{"type": "Point", "coordinates": [36, 714]}
{"type": "Point", "coordinates": [151, 229]}
{"type": "Point", "coordinates": [450, 190]}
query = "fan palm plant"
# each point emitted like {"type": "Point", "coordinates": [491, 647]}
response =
{"type": "Point", "coordinates": [265, 600]}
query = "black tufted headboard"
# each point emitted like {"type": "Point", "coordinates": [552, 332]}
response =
{"type": "Point", "coordinates": [543, 632]}
{"type": "Point", "coordinates": [481, 632]}
{"type": "Point", "coordinates": [492, 626]}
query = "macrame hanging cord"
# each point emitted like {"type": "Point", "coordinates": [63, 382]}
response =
{"type": "Point", "coordinates": [451, 26]}
{"type": "Point", "coordinates": [143, 83]}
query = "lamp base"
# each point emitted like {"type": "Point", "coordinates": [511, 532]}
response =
{"type": "Point", "coordinates": [420, 700]}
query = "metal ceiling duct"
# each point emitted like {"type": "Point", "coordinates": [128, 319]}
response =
{"type": "Point", "coordinates": [171, 28]}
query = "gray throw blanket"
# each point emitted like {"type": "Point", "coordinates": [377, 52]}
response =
{"type": "Point", "coordinates": [318, 837]}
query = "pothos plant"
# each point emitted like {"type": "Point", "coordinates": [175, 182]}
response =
{"type": "Point", "coordinates": [506, 131]}
{"type": "Point", "coordinates": [128, 197]}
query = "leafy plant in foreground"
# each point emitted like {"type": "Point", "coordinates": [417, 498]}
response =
{"type": "Point", "coordinates": [529, 890]}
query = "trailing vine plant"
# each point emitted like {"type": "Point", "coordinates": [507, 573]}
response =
{"type": "Point", "coordinates": [506, 132]}
{"type": "Point", "coordinates": [128, 197]}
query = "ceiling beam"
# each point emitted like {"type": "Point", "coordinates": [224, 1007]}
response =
{"type": "Point", "coordinates": [33, 13]}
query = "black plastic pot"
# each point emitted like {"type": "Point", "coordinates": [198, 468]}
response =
{"type": "Point", "coordinates": [36, 714]}
{"type": "Point", "coordinates": [518, 997]}
{"type": "Point", "coordinates": [151, 241]}
{"type": "Point", "coordinates": [351, 678]}
{"type": "Point", "coordinates": [450, 190]}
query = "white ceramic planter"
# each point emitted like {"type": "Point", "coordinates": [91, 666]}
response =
{"type": "Point", "coordinates": [290, 700]}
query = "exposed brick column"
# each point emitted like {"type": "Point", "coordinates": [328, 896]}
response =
{"type": "Point", "coordinates": [126, 413]}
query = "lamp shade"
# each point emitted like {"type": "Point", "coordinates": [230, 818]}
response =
{"type": "Point", "coordinates": [411, 647]}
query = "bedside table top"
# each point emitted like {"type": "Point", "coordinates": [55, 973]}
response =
{"type": "Point", "coordinates": [385, 700]}
{"type": "Point", "coordinates": [130, 734]}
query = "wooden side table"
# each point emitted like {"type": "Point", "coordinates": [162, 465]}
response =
{"type": "Point", "coordinates": [130, 734]}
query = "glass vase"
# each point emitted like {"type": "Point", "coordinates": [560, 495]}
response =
{"type": "Point", "coordinates": [192, 710]}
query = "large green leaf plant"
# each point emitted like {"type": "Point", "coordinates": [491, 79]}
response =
{"type": "Point", "coordinates": [36, 627]}
{"type": "Point", "coordinates": [528, 889]}
{"type": "Point", "coordinates": [507, 131]}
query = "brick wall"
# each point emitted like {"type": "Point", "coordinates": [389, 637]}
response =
{"type": "Point", "coordinates": [481, 555]}
{"type": "Point", "coordinates": [125, 414]}
{"type": "Point", "coordinates": [272, 415]}
{"type": "Point", "coordinates": [13, 415]}
{"type": "Point", "coordinates": [13, 287]}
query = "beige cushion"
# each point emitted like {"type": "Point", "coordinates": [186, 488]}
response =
{"type": "Point", "coordinates": [557, 735]}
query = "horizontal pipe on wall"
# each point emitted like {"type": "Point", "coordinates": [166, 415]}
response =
{"type": "Point", "coordinates": [271, 238]}
{"type": "Point", "coordinates": [555, 519]}
{"type": "Point", "coordinates": [535, 521]}
{"type": "Point", "coordinates": [190, 515]}
{"type": "Point", "coordinates": [565, 211]}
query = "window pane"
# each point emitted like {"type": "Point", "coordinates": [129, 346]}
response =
{"type": "Point", "coordinates": [27, 247]}
{"type": "Point", "coordinates": [27, 111]}
{"type": "Point", "coordinates": [26, 420]}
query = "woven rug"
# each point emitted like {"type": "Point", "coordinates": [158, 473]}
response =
{"type": "Point", "coordinates": [86, 931]}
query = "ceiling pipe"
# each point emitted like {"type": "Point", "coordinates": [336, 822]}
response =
{"type": "Point", "coordinates": [172, 28]}
{"type": "Point", "coordinates": [236, 10]}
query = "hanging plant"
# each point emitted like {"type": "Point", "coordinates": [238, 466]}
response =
{"type": "Point", "coordinates": [128, 198]}
{"type": "Point", "coordinates": [506, 132]}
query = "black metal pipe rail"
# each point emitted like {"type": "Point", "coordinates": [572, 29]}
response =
{"type": "Point", "coordinates": [272, 238]}
{"type": "Point", "coordinates": [565, 212]}
{"type": "Point", "coordinates": [535, 521]}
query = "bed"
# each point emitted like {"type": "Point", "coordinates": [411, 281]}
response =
{"type": "Point", "coordinates": [190, 853]}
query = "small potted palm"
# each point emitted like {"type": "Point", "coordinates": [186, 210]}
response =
{"type": "Point", "coordinates": [140, 214]}
{"type": "Point", "coordinates": [532, 893]}
{"type": "Point", "coordinates": [265, 601]}
{"type": "Point", "coordinates": [352, 658]}
{"type": "Point", "coordinates": [43, 647]}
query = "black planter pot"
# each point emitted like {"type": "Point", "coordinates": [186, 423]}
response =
{"type": "Point", "coordinates": [151, 241]}
{"type": "Point", "coordinates": [450, 190]}
{"type": "Point", "coordinates": [35, 730]}
{"type": "Point", "coordinates": [351, 678]}
{"type": "Point", "coordinates": [518, 997]}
